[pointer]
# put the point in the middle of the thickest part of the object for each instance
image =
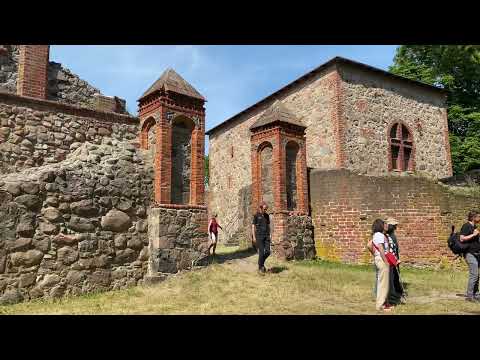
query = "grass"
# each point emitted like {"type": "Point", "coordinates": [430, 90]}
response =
{"type": "Point", "coordinates": [309, 287]}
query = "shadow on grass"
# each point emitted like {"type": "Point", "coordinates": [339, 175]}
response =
{"type": "Point", "coordinates": [239, 254]}
{"type": "Point", "coordinates": [277, 269]}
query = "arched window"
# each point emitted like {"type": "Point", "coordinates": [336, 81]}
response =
{"type": "Point", "coordinates": [266, 172]}
{"type": "Point", "coordinates": [401, 148]}
{"type": "Point", "coordinates": [148, 134]}
{"type": "Point", "coordinates": [291, 152]}
{"type": "Point", "coordinates": [182, 128]}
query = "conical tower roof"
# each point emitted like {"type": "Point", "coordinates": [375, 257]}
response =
{"type": "Point", "coordinates": [277, 112]}
{"type": "Point", "coordinates": [171, 81]}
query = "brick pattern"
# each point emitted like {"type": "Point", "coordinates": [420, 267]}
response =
{"type": "Point", "coordinates": [278, 136]}
{"type": "Point", "coordinates": [162, 108]}
{"type": "Point", "coordinates": [33, 71]}
{"type": "Point", "coordinates": [344, 206]}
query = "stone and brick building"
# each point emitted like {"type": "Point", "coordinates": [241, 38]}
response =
{"type": "Point", "coordinates": [73, 161]}
{"type": "Point", "coordinates": [363, 127]}
{"type": "Point", "coordinates": [330, 152]}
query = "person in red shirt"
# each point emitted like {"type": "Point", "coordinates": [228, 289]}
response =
{"type": "Point", "coordinates": [213, 227]}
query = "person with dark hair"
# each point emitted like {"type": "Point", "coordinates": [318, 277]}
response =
{"type": "Point", "coordinates": [470, 234]}
{"type": "Point", "coordinates": [396, 291]}
{"type": "Point", "coordinates": [378, 247]}
{"type": "Point", "coordinates": [213, 227]}
{"type": "Point", "coordinates": [261, 235]}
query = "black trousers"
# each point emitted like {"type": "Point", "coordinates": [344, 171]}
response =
{"type": "Point", "coordinates": [263, 246]}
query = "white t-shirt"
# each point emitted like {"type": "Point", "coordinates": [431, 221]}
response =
{"type": "Point", "coordinates": [379, 238]}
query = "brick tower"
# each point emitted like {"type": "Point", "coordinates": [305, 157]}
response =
{"type": "Point", "coordinates": [279, 177]}
{"type": "Point", "coordinates": [172, 119]}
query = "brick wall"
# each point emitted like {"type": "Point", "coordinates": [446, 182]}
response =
{"type": "Point", "coordinates": [32, 71]}
{"type": "Point", "coordinates": [344, 206]}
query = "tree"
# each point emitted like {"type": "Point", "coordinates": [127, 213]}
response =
{"type": "Point", "coordinates": [455, 68]}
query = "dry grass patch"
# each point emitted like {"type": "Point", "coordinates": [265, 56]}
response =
{"type": "Point", "coordinates": [232, 286]}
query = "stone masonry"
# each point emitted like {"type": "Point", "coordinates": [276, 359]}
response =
{"type": "Point", "coordinates": [349, 110]}
{"type": "Point", "coordinates": [100, 197]}
{"type": "Point", "coordinates": [36, 132]}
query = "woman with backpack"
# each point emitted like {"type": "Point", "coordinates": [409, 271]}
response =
{"type": "Point", "coordinates": [378, 246]}
{"type": "Point", "coordinates": [469, 234]}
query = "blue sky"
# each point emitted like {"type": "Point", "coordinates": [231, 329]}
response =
{"type": "Point", "coordinates": [230, 77]}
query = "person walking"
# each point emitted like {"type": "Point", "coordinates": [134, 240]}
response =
{"type": "Point", "coordinates": [470, 234]}
{"type": "Point", "coordinates": [378, 246]}
{"type": "Point", "coordinates": [261, 235]}
{"type": "Point", "coordinates": [213, 227]}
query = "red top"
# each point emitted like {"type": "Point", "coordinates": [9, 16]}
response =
{"type": "Point", "coordinates": [214, 226]}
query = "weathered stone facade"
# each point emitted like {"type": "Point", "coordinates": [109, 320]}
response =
{"type": "Point", "coordinates": [78, 170]}
{"type": "Point", "coordinates": [37, 132]}
{"type": "Point", "coordinates": [99, 196]}
{"type": "Point", "coordinates": [229, 149]}
{"type": "Point", "coordinates": [348, 110]}
{"type": "Point", "coordinates": [372, 103]}
{"type": "Point", "coordinates": [178, 239]}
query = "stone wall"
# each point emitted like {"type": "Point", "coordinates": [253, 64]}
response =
{"type": "Point", "coordinates": [63, 85]}
{"type": "Point", "coordinates": [344, 206]}
{"type": "Point", "coordinates": [36, 132]}
{"type": "Point", "coordinates": [178, 239]}
{"type": "Point", "coordinates": [9, 68]}
{"type": "Point", "coordinates": [230, 152]}
{"type": "Point", "coordinates": [99, 196]}
{"type": "Point", "coordinates": [296, 239]}
{"type": "Point", "coordinates": [371, 103]}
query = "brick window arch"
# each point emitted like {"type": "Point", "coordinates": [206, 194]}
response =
{"type": "Point", "coordinates": [401, 148]}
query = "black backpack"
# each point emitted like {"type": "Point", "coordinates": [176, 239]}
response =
{"type": "Point", "coordinates": [454, 243]}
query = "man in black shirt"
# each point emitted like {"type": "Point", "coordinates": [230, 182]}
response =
{"type": "Point", "coordinates": [261, 235]}
{"type": "Point", "coordinates": [469, 234]}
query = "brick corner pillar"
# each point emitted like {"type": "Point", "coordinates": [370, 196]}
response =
{"type": "Point", "coordinates": [255, 168]}
{"type": "Point", "coordinates": [279, 178]}
{"type": "Point", "coordinates": [197, 183]}
{"type": "Point", "coordinates": [302, 182]}
{"type": "Point", "coordinates": [33, 71]}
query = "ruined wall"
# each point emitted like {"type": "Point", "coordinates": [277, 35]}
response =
{"type": "Point", "coordinates": [230, 152]}
{"type": "Point", "coordinates": [36, 132]}
{"type": "Point", "coordinates": [344, 206]}
{"type": "Point", "coordinates": [371, 103]}
{"type": "Point", "coordinates": [99, 195]}
{"type": "Point", "coordinates": [63, 85]}
{"type": "Point", "coordinates": [178, 239]}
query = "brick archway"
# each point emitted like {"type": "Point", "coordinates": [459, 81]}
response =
{"type": "Point", "coordinates": [144, 132]}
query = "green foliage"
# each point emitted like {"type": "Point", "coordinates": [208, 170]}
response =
{"type": "Point", "coordinates": [457, 69]}
{"type": "Point", "coordinates": [207, 171]}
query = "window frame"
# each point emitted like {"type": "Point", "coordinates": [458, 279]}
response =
{"type": "Point", "coordinates": [402, 144]}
